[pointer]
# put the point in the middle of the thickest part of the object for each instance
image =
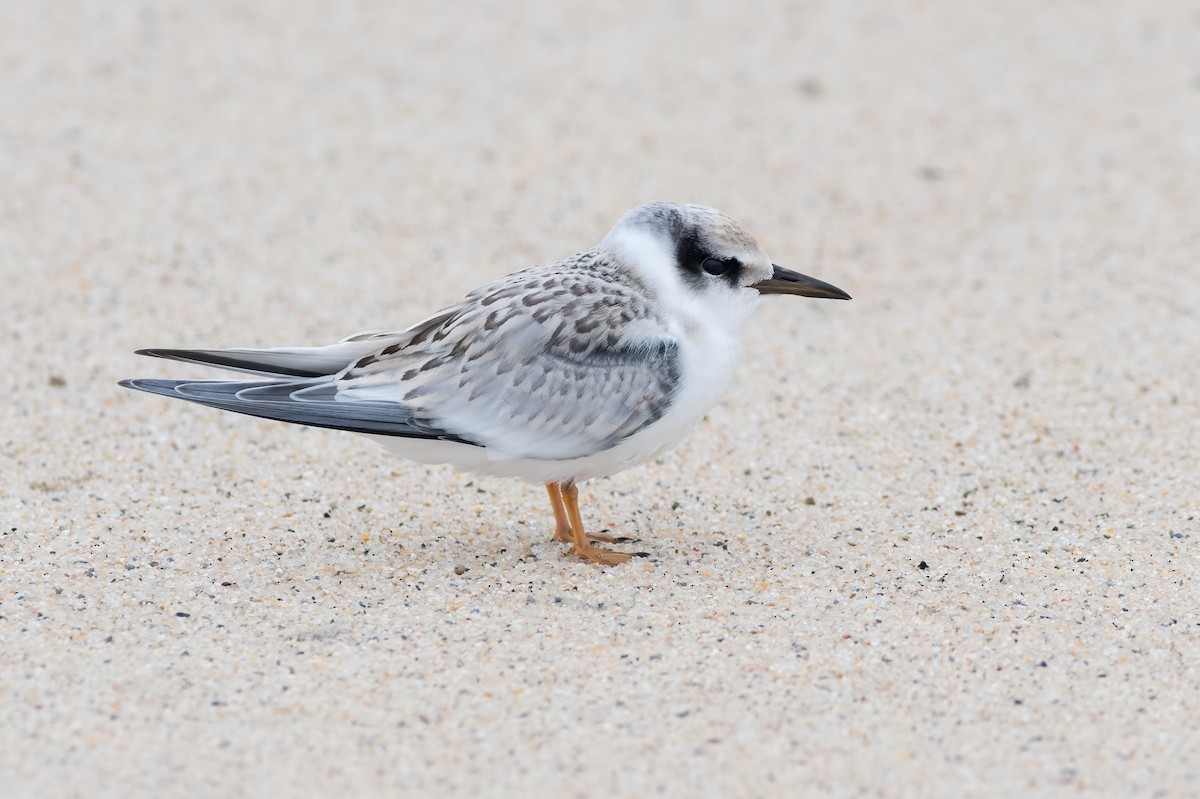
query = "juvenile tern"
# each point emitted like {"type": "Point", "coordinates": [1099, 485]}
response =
{"type": "Point", "coordinates": [554, 374]}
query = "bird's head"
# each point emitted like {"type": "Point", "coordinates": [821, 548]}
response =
{"type": "Point", "coordinates": [704, 263]}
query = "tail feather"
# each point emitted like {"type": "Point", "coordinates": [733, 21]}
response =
{"type": "Point", "coordinates": [306, 362]}
{"type": "Point", "coordinates": [299, 402]}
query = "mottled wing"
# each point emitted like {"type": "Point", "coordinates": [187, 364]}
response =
{"type": "Point", "coordinates": [554, 362]}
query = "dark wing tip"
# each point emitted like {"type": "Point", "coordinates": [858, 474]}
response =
{"type": "Point", "coordinates": [164, 352]}
{"type": "Point", "coordinates": [270, 399]}
{"type": "Point", "coordinates": [151, 385]}
{"type": "Point", "coordinates": [264, 362]}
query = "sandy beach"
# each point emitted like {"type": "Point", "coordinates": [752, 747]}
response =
{"type": "Point", "coordinates": [937, 541]}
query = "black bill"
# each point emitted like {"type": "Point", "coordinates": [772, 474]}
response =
{"type": "Point", "coordinates": [785, 281]}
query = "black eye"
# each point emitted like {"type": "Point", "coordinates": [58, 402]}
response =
{"type": "Point", "coordinates": [717, 266]}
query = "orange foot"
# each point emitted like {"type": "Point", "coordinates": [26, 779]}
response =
{"type": "Point", "coordinates": [605, 557]}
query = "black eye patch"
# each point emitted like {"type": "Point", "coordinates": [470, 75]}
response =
{"type": "Point", "coordinates": [696, 262]}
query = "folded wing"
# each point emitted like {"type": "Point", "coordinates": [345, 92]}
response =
{"type": "Point", "coordinates": [315, 405]}
{"type": "Point", "coordinates": [550, 363]}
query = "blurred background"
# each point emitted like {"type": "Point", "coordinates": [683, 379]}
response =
{"type": "Point", "coordinates": [1009, 191]}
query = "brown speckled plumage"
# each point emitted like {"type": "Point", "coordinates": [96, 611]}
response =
{"type": "Point", "coordinates": [511, 350]}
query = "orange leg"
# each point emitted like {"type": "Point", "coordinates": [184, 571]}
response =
{"type": "Point", "coordinates": [562, 527]}
{"type": "Point", "coordinates": [582, 545]}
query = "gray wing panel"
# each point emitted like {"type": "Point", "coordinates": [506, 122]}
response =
{"type": "Point", "coordinates": [546, 364]}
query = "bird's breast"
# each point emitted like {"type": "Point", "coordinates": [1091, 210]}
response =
{"type": "Point", "coordinates": [709, 361]}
